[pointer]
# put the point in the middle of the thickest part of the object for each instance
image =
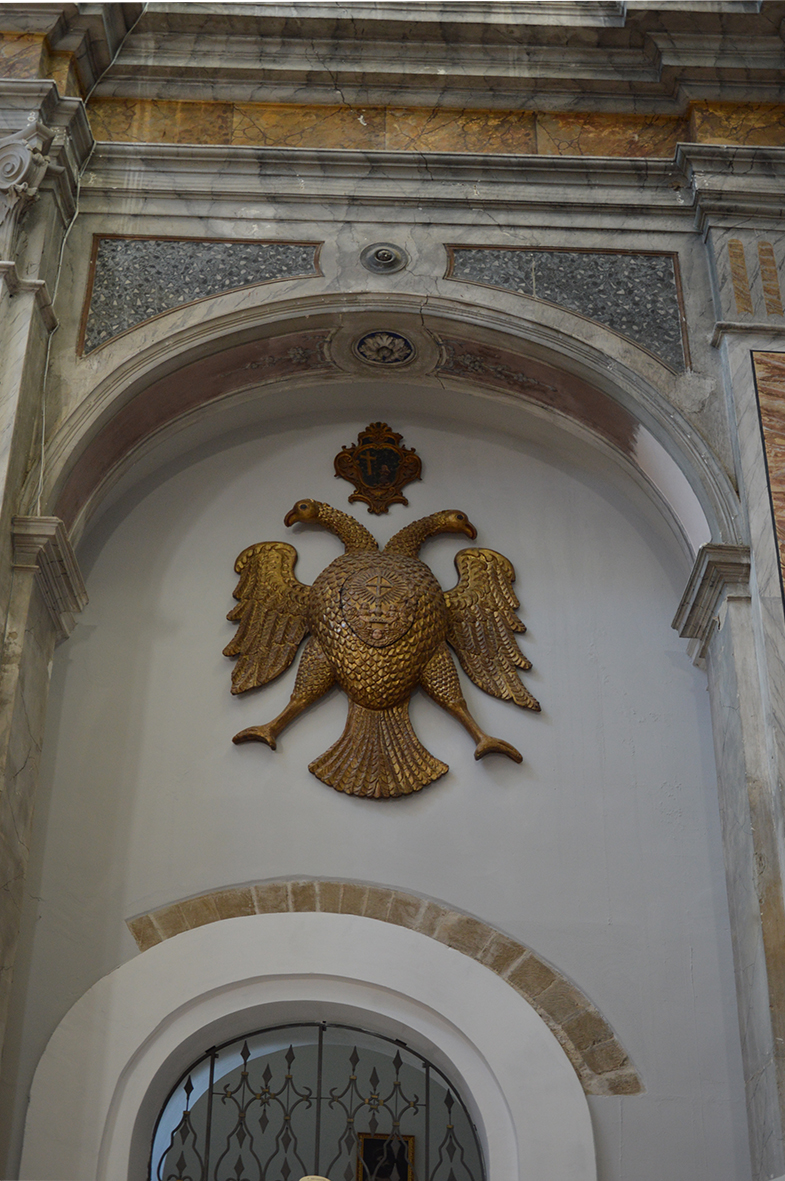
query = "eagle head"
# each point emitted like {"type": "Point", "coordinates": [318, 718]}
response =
{"type": "Point", "coordinates": [303, 510]}
{"type": "Point", "coordinates": [452, 521]}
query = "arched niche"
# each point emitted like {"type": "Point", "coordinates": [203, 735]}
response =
{"type": "Point", "coordinates": [131, 1035]}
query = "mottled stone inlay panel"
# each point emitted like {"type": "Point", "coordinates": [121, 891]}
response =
{"type": "Point", "coordinates": [637, 295]}
{"type": "Point", "coordinates": [134, 279]}
{"type": "Point", "coordinates": [597, 1055]}
{"type": "Point", "coordinates": [770, 385]}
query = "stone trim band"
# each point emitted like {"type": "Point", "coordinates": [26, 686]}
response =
{"type": "Point", "coordinates": [599, 1059]}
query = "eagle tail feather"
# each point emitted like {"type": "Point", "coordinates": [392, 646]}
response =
{"type": "Point", "coordinates": [378, 755]}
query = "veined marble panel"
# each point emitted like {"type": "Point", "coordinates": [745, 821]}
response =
{"type": "Point", "coordinates": [27, 55]}
{"type": "Point", "coordinates": [22, 55]}
{"type": "Point", "coordinates": [636, 295]}
{"type": "Point", "coordinates": [749, 276]}
{"type": "Point", "coordinates": [129, 121]}
{"type": "Point", "coordinates": [582, 133]}
{"type": "Point", "coordinates": [134, 279]}
{"type": "Point", "coordinates": [770, 385]}
{"type": "Point", "coordinates": [755, 124]}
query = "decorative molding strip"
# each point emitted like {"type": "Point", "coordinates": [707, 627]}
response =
{"type": "Point", "coordinates": [757, 326]}
{"type": "Point", "coordinates": [595, 1052]}
{"type": "Point", "coordinates": [634, 294]}
{"type": "Point", "coordinates": [134, 279]}
{"type": "Point", "coordinates": [41, 545]}
{"type": "Point", "coordinates": [720, 572]}
{"type": "Point", "coordinates": [10, 277]}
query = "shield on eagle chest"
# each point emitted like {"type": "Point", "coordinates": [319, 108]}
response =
{"type": "Point", "coordinates": [378, 604]}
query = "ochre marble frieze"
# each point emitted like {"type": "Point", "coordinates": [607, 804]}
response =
{"type": "Point", "coordinates": [396, 129]}
{"type": "Point", "coordinates": [750, 124]}
{"type": "Point", "coordinates": [27, 55]}
{"type": "Point", "coordinates": [770, 384]}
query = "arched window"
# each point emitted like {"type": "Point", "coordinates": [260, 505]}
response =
{"type": "Point", "coordinates": [313, 1098]}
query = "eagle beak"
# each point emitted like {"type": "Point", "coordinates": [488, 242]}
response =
{"type": "Point", "coordinates": [292, 517]}
{"type": "Point", "coordinates": [469, 530]}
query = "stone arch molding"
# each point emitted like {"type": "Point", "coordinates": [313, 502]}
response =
{"type": "Point", "coordinates": [596, 1054]}
{"type": "Point", "coordinates": [156, 378]}
{"type": "Point", "coordinates": [135, 1031]}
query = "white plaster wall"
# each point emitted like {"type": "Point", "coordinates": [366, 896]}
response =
{"type": "Point", "coordinates": [602, 852]}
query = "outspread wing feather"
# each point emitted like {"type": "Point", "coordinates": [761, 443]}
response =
{"type": "Point", "coordinates": [483, 625]}
{"type": "Point", "coordinates": [271, 614]}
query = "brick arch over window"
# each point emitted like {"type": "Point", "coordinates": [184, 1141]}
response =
{"type": "Point", "coordinates": [599, 1059]}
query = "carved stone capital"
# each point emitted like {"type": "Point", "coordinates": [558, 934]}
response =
{"type": "Point", "coordinates": [23, 164]}
{"type": "Point", "coordinates": [720, 572]}
{"type": "Point", "coordinates": [41, 547]}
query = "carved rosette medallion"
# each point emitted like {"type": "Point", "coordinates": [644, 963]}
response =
{"type": "Point", "coordinates": [384, 348]}
{"type": "Point", "coordinates": [379, 467]}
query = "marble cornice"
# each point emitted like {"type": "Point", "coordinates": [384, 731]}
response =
{"type": "Point", "coordinates": [219, 173]}
{"type": "Point", "coordinates": [720, 572]}
{"type": "Point", "coordinates": [733, 182]}
{"type": "Point", "coordinates": [544, 55]}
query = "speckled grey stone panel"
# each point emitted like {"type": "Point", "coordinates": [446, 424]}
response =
{"type": "Point", "coordinates": [136, 278]}
{"type": "Point", "coordinates": [634, 294]}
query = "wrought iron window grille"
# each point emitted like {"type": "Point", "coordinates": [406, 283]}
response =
{"type": "Point", "coordinates": [314, 1098]}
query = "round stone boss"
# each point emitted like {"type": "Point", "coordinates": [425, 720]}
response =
{"type": "Point", "coordinates": [383, 258]}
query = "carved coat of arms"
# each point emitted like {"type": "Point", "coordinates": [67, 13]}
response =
{"type": "Point", "coordinates": [379, 466]}
{"type": "Point", "coordinates": [378, 625]}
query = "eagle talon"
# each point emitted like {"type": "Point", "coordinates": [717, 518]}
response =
{"type": "Point", "coordinates": [490, 746]}
{"type": "Point", "coordinates": [255, 734]}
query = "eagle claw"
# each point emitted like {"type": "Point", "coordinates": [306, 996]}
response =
{"type": "Point", "coordinates": [255, 734]}
{"type": "Point", "coordinates": [489, 746]}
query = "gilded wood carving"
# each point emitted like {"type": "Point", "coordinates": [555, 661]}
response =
{"type": "Point", "coordinates": [379, 466]}
{"type": "Point", "coordinates": [378, 625]}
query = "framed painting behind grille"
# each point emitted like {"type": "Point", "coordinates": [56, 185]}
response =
{"type": "Point", "coordinates": [385, 1158]}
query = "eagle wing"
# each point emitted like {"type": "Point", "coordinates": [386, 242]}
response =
{"type": "Point", "coordinates": [271, 614]}
{"type": "Point", "coordinates": [483, 624]}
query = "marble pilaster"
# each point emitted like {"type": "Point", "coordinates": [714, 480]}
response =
{"type": "Point", "coordinates": [43, 143]}
{"type": "Point", "coordinates": [716, 615]}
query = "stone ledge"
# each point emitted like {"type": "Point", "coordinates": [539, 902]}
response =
{"type": "Point", "coordinates": [599, 1059]}
{"type": "Point", "coordinates": [42, 546]}
{"type": "Point", "coordinates": [720, 571]}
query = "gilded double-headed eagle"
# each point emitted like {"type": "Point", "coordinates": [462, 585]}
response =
{"type": "Point", "coordinates": [378, 625]}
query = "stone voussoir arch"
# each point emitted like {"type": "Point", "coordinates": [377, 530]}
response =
{"type": "Point", "coordinates": [597, 1055]}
